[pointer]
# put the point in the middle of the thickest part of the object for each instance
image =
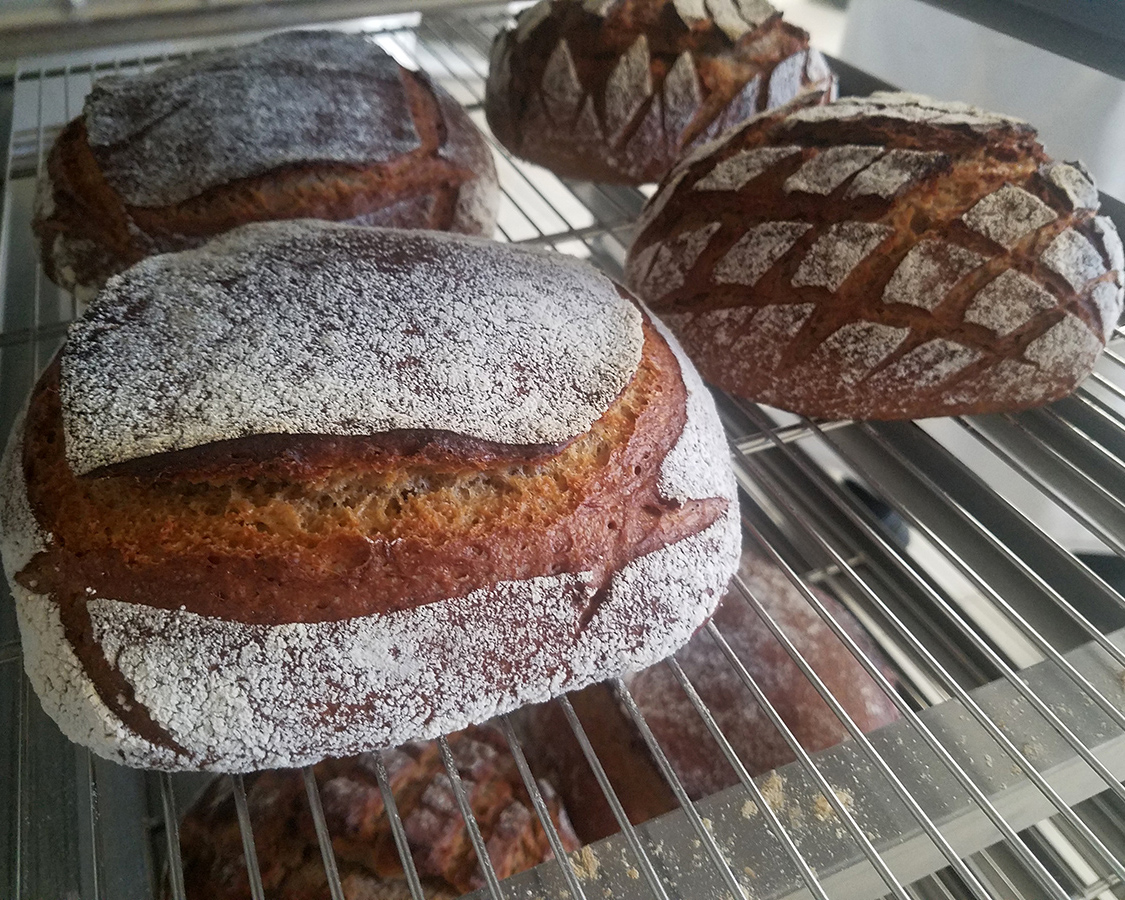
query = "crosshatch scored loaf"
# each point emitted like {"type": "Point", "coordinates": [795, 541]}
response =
{"type": "Point", "coordinates": [883, 257]}
{"type": "Point", "coordinates": [313, 124]}
{"type": "Point", "coordinates": [616, 90]}
{"type": "Point", "coordinates": [313, 489]}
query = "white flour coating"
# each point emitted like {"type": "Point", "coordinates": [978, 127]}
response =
{"type": "Point", "coordinates": [1007, 214]}
{"type": "Point", "coordinates": [843, 247]}
{"type": "Point", "coordinates": [682, 93]}
{"type": "Point", "coordinates": [1075, 182]}
{"type": "Point", "coordinates": [171, 134]}
{"type": "Point", "coordinates": [926, 365]}
{"type": "Point", "coordinates": [830, 168]}
{"type": "Point", "coordinates": [671, 261]}
{"type": "Point", "coordinates": [20, 535]}
{"type": "Point", "coordinates": [315, 328]}
{"type": "Point", "coordinates": [629, 85]}
{"type": "Point", "coordinates": [887, 175]}
{"type": "Point", "coordinates": [698, 466]}
{"type": "Point", "coordinates": [242, 697]}
{"type": "Point", "coordinates": [598, 7]}
{"type": "Point", "coordinates": [755, 252]}
{"type": "Point", "coordinates": [817, 71]}
{"type": "Point", "coordinates": [857, 348]}
{"type": "Point", "coordinates": [928, 272]}
{"type": "Point", "coordinates": [1067, 346]}
{"type": "Point", "coordinates": [1010, 300]}
{"type": "Point", "coordinates": [562, 92]}
{"type": "Point", "coordinates": [735, 173]}
{"type": "Point", "coordinates": [690, 11]}
{"type": "Point", "coordinates": [786, 79]}
{"type": "Point", "coordinates": [588, 125]}
{"type": "Point", "coordinates": [907, 107]}
{"type": "Point", "coordinates": [1108, 299]}
{"type": "Point", "coordinates": [1111, 240]}
{"type": "Point", "coordinates": [1018, 381]}
{"type": "Point", "coordinates": [737, 17]}
{"type": "Point", "coordinates": [656, 203]}
{"type": "Point", "coordinates": [1074, 258]}
{"type": "Point", "coordinates": [531, 18]}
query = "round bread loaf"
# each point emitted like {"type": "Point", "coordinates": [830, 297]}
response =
{"type": "Point", "coordinates": [615, 90]}
{"type": "Point", "coordinates": [314, 124]}
{"type": "Point", "coordinates": [313, 489]}
{"type": "Point", "coordinates": [884, 257]}
{"type": "Point", "coordinates": [693, 753]}
{"type": "Point", "coordinates": [289, 856]}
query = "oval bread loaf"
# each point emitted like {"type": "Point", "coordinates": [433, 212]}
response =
{"type": "Point", "coordinates": [615, 90]}
{"type": "Point", "coordinates": [313, 124]}
{"type": "Point", "coordinates": [883, 257]}
{"type": "Point", "coordinates": [313, 489]}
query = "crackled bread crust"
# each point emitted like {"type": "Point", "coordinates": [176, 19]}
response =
{"type": "Point", "coordinates": [616, 91]}
{"type": "Point", "coordinates": [425, 164]}
{"type": "Point", "coordinates": [370, 869]}
{"type": "Point", "coordinates": [245, 600]}
{"type": "Point", "coordinates": [884, 257]}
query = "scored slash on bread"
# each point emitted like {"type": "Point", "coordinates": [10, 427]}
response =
{"type": "Point", "coordinates": [883, 257]}
{"type": "Point", "coordinates": [615, 91]}
{"type": "Point", "coordinates": [314, 488]}
{"type": "Point", "coordinates": [315, 124]}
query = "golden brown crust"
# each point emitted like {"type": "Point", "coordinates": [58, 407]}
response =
{"type": "Point", "coordinates": [86, 232]}
{"type": "Point", "coordinates": [700, 81]}
{"type": "Point", "coordinates": [330, 544]}
{"type": "Point", "coordinates": [952, 293]}
{"type": "Point", "coordinates": [286, 842]}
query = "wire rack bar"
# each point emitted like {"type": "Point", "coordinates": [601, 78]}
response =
{"type": "Point", "coordinates": [172, 837]}
{"type": "Point", "coordinates": [249, 852]}
{"type": "Point", "coordinates": [483, 859]}
{"type": "Point", "coordinates": [410, 871]}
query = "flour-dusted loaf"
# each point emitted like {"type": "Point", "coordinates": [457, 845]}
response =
{"type": "Point", "coordinates": [289, 857]}
{"type": "Point", "coordinates": [883, 257]}
{"type": "Point", "coordinates": [314, 124]}
{"type": "Point", "coordinates": [615, 90]}
{"type": "Point", "coordinates": [313, 489]}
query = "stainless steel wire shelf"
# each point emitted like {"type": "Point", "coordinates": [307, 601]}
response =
{"type": "Point", "coordinates": [1003, 777]}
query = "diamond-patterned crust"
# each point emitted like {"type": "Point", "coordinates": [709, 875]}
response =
{"type": "Point", "coordinates": [884, 257]}
{"type": "Point", "coordinates": [654, 84]}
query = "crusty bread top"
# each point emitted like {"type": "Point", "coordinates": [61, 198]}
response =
{"type": "Point", "coordinates": [314, 328]}
{"type": "Point", "coordinates": [170, 134]}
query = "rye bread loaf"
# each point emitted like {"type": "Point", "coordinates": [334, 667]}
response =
{"type": "Point", "coordinates": [314, 124]}
{"type": "Point", "coordinates": [883, 257]}
{"type": "Point", "coordinates": [289, 856]}
{"type": "Point", "coordinates": [313, 489]}
{"type": "Point", "coordinates": [616, 90]}
{"type": "Point", "coordinates": [693, 753]}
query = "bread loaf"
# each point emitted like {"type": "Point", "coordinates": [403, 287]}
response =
{"type": "Point", "coordinates": [694, 754]}
{"type": "Point", "coordinates": [883, 257]}
{"type": "Point", "coordinates": [289, 858]}
{"type": "Point", "coordinates": [313, 489]}
{"type": "Point", "coordinates": [615, 90]}
{"type": "Point", "coordinates": [300, 125]}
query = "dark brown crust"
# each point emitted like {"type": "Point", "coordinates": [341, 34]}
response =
{"type": "Point", "coordinates": [647, 149]}
{"type": "Point", "coordinates": [930, 208]}
{"type": "Point", "coordinates": [286, 841]}
{"type": "Point", "coordinates": [419, 189]}
{"type": "Point", "coordinates": [237, 570]}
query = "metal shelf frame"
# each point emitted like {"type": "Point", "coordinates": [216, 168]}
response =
{"type": "Point", "coordinates": [1002, 777]}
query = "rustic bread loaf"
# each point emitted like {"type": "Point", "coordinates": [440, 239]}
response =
{"type": "Point", "coordinates": [312, 124]}
{"type": "Point", "coordinates": [615, 90]}
{"type": "Point", "coordinates": [882, 257]}
{"type": "Point", "coordinates": [313, 489]}
{"type": "Point", "coordinates": [289, 856]}
{"type": "Point", "coordinates": [693, 753]}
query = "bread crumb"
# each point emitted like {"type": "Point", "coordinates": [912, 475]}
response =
{"type": "Point", "coordinates": [585, 864]}
{"type": "Point", "coordinates": [774, 791]}
{"type": "Point", "coordinates": [749, 809]}
{"type": "Point", "coordinates": [632, 873]}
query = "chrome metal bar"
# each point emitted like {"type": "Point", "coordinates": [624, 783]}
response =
{"type": "Point", "coordinates": [11, 653]}
{"type": "Point", "coordinates": [323, 838]}
{"type": "Point", "coordinates": [95, 853]}
{"type": "Point", "coordinates": [789, 433]}
{"type": "Point", "coordinates": [483, 859]}
{"type": "Point", "coordinates": [410, 871]}
{"type": "Point", "coordinates": [172, 834]}
{"type": "Point", "coordinates": [983, 718]}
{"type": "Point", "coordinates": [744, 777]}
{"type": "Point", "coordinates": [561, 856]}
{"type": "Point", "coordinates": [249, 852]}
{"type": "Point", "coordinates": [718, 860]}
{"type": "Point", "coordinates": [1103, 452]}
{"type": "Point", "coordinates": [627, 829]}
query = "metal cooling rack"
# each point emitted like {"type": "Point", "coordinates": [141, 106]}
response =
{"type": "Point", "coordinates": [1002, 778]}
